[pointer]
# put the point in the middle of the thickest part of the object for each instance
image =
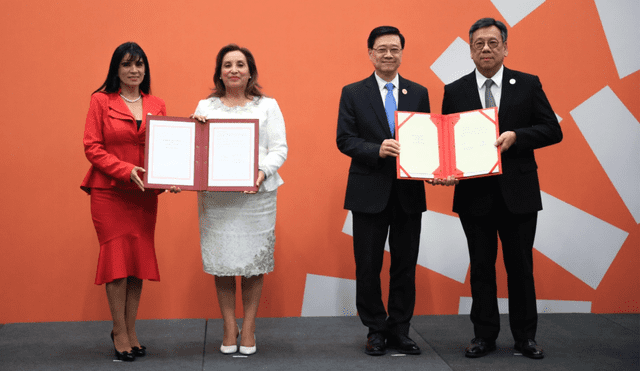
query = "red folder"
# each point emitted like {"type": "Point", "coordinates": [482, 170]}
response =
{"type": "Point", "coordinates": [438, 146]}
{"type": "Point", "coordinates": [192, 144]}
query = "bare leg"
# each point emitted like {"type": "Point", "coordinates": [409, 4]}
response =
{"type": "Point", "coordinates": [226, 289]}
{"type": "Point", "coordinates": [251, 292]}
{"type": "Point", "coordinates": [134, 289]}
{"type": "Point", "coordinates": [116, 295]}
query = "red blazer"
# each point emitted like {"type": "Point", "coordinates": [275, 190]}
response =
{"type": "Point", "coordinates": [112, 143]}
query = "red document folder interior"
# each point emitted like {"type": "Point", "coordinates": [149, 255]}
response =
{"type": "Point", "coordinates": [199, 136]}
{"type": "Point", "coordinates": [464, 144]}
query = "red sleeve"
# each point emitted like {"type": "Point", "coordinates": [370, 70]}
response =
{"type": "Point", "coordinates": [94, 144]}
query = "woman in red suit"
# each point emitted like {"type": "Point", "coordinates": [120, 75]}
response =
{"type": "Point", "coordinates": [124, 214]}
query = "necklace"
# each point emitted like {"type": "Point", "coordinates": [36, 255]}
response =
{"type": "Point", "coordinates": [130, 100]}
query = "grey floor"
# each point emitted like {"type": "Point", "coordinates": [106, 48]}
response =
{"type": "Point", "coordinates": [571, 342]}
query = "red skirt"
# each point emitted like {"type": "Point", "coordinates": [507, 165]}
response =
{"type": "Point", "coordinates": [125, 222]}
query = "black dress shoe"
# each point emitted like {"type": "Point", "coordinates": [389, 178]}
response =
{"type": "Point", "coordinates": [375, 345]}
{"type": "Point", "coordinates": [139, 351]}
{"type": "Point", "coordinates": [529, 349]}
{"type": "Point", "coordinates": [403, 344]}
{"type": "Point", "coordinates": [122, 356]}
{"type": "Point", "coordinates": [479, 348]}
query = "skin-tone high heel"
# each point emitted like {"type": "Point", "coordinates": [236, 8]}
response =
{"type": "Point", "coordinates": [123, 356]}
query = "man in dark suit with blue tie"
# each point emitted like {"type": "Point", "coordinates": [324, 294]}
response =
{"type": "Point", "coordinates": [505, 205]}
{"type": "Point", "coordinates": [380, 203]}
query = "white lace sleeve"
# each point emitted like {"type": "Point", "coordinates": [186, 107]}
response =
{"type": "Point", "coordinates": [276, 140]}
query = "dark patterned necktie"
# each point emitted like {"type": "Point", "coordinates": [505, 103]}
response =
{"type": "Point", "coordinates": [488, 97]}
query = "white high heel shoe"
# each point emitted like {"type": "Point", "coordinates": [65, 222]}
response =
{"type": "Point", "coordinates": [249, 350]}
{"type": "Point", "coordinates": [230, 349]}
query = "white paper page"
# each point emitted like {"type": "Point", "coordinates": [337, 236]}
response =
{"type": "Point", "coordinates": [171, 152]}
{"type": "Point", "coordinates": [418, 139]}
{"type": "Point", "coordinates": [231, 154]}
{"type": "Point", "coordinates": [474, 137]}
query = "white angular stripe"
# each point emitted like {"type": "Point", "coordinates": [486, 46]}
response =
{"type": "Point", "coordinates": [543, 306]}
{"type": "Point", "coordinates": [328, 296]}
{"type": "Point", "coordinates": [619, 20]}
{"type": "Point", "coordinates": [614, 137]}
{"type": "Point", "coordinates": [559, 118]}
{"type": "Point", "coordinates": [514, 11]}
{"type": "Point", "coordinates": [454, 63]}
{"type": "Point", "coordinates": [347, 228]}
{"type": "Point", "coordinates": [580, 243]}
{"type": "Point", "coordinates": [443, 246]}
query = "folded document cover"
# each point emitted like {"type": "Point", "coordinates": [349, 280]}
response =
{"type": "Point", "coordinates": [438, 146]}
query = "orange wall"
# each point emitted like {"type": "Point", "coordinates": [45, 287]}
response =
{"type": "Point", "coordinates": [56, 53]}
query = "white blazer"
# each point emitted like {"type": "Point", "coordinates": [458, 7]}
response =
{"type": "Point", "coordinates": [273, 140]}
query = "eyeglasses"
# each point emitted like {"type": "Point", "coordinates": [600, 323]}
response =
{"type": "Point", "coordinates": [384, 51]}
{"type": "Point", "coordinates": [479, 45]}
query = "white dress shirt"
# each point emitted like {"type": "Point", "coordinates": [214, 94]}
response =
{"type": "Point", "coordinates": [383, 90]}
{"type": "Point", "coordinates": [496, 88]}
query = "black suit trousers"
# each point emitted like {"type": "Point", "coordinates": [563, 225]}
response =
{"type": "Point", "coordinates": [369, 237]}
{"type": "Point", "coordinates": [516, 232]}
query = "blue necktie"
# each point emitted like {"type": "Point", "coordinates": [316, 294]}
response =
{"type": "Point", "coordinates": [488, 97]}
{"type": "Point", "coordinates": [390, 108]}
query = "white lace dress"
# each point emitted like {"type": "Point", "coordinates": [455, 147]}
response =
{"type": "Point", "coordinates": [237, 230]}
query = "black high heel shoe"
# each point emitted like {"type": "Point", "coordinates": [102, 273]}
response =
{"type": "Point", "coordinates": [139, 351]}
{"type": "Point", "coordinates": [123, 356]}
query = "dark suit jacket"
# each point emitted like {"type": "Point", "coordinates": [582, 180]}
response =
{"type": "Point", "coordinates": [362, 126]}
{"type": "Point", "coordinates": [524, 109]}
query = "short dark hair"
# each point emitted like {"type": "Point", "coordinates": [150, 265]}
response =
{"type": "Point", "coordinates": [488, 22]}
{"type": "Point", "coordinates": [135, 52]}
{"type": "Point", "coordinates": [252, 89]}
{"type": "Point", "coordinates": [381, 31]}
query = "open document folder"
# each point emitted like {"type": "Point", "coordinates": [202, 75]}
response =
{"type": "Point", "coordinates": [438, 146]}
{"type": "Point", "coordinates": [219, 155]}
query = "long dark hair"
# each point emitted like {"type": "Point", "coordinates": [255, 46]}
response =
{"type": "Point", "coordinates": [252, 89]}
{"type": "Point", "coordinates": [135, 52]}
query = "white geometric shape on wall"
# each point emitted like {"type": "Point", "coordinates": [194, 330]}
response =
{"type": "Point", "coordinates": [579, 242]}
{"type": "Point", "coordinates": [514, 11]}
{"type": "Point", "coordinates": [619, 20]}
{"type": "Point", "coordinates": [329, 297]}
{"type": "Point", "coordinates": [559, 118]}
{"type": "Point", "coordinates": [454, 63]}
{"type": "Point", "coordinates": [614, 137]}
{"type": "Point", "coordinates": [542, 306]}
{"type": "Point", "coordinates": [443, 246]}
{"type": "Point", "coordinates": [347, 228]}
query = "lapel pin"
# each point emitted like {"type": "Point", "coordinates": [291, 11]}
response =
{"type": "Point", "coordinates": [404, 91]}
{"type": "Point", "coordinates": [512, 81]}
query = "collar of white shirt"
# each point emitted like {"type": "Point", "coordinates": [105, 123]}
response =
{"type": "Point", "coordinates": [497, 78]}
{"type": "Point", "coordinates": [382, 83]}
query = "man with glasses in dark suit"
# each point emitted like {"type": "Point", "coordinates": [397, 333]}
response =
{"type": "Point", "coordinates": [505, 205]}
{"type": "Point", "coordinates": [380, 203]}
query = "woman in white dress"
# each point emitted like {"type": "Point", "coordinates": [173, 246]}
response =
{"type": "Point", "coordinates": [237, 229]}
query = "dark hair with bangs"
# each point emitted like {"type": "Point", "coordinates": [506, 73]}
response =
{"type": "Point", "coordinates": [135, 52]}
{"type": "Point", "coordinates": [252, 89]}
